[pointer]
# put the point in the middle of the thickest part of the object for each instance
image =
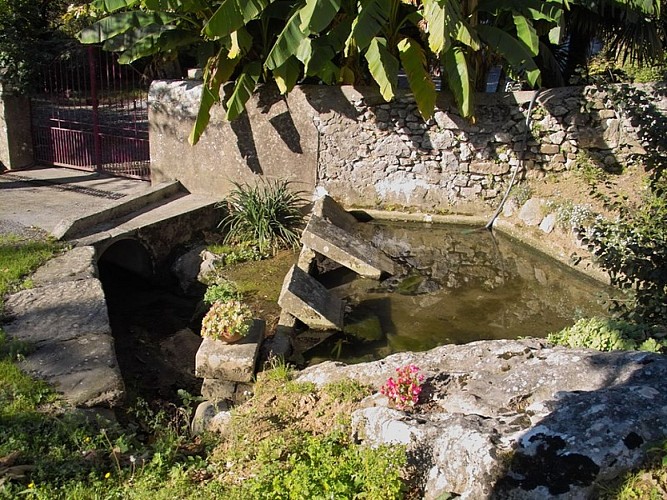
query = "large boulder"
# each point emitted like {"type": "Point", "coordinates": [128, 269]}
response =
{"type": "Point", "coordinates": [516, 419]}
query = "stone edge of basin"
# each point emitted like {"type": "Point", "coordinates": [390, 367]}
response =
{"type": "Point", "coordinates": [506, 227]}
{"type": "Point", "coordinates": [67, 228]}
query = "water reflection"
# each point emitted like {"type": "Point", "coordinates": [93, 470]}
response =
{"type": "Point", "coordinates": [458, 284]}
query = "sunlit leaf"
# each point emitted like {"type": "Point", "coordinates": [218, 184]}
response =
{"type": "Point", "coordinates": [116, 24]}
{"type": "Point", "coordinates": [373, 15]}
{"type": "Point", "coordinates": [513, 51]}
{"type": "Point", "coordinates": [413, 60]}
{"type": "Point", "coordinates": [287, 43]}
{"type": "Point", "coordinates": [458, 78]}
{"type": "Point", "coordinates": [383, 67]}
{"type": "Point", "coordinates": [316, 15]}
{"type": "Point", "coordinates": [526, 33]}
{"type": "Point", "coordinates": [243, 89]}
{"type": "Point", "coordinates": [287, 75]}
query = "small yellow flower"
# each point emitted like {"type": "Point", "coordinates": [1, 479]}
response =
{"type": "Point", "coordinates": [107, 475]}
{"type": "Point", "coordinates": [31, 485]}
{"type": "Point", "coordinates": [86, 439]}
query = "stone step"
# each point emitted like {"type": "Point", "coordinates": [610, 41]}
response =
{"type": "Point", "coordinates": [233, 362]}
{"type": "Point", "coordinates": [150, 216]}
{"type": "Point", "coordinates": [348, 250]}
{"type": "Point", "coordinates": [308, 301]}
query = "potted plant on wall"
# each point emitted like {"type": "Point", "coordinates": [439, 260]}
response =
{"type": "Point", "coordinates": [228, 321]}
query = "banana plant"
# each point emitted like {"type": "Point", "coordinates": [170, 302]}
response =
{"type": "Point", "coordinates": [339, 41]}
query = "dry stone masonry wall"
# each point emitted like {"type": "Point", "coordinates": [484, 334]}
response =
{"type": "Point", "coordinates": [390, 156]}
{"type": "Point", "coordinates": [369, 153]}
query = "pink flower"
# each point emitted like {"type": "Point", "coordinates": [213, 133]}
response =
{"type": "Point", "coordinates": [404, 393]}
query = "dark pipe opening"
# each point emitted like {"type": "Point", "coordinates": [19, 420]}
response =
{"type": "Point", "coordinates": [150, 319]}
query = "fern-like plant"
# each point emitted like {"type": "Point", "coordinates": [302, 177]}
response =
{"type": "Point", "coordinates": [267, 214]}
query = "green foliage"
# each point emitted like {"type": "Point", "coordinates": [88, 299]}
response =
{"type": "Point", "coordinates": [570, 215]}
{"type": "Point", "coordinates": [19, 257]}
{"type": "Point", "coordinates": [268, 214]}
{"type": "Point", "coordinates": [588, 169]}
{"type": "Point", "coordinates": [333, 42]}
{"type": "Point", "coordinates": [29, 30]}
{"type": "Point", "coordinates": [226, 320]}
{"type": "Point", "coordinates": [347, 390]}
{"type": "Point", "coordinates": [326, 467]}
{"type": "Point", "coordinates": [245, 251]}
{"type": "Point", "coordinates": [221, 291]}
{"type": "Point", "coordinates": [605, 334]}
{"type": "Point", "coordinates": [521, 193]}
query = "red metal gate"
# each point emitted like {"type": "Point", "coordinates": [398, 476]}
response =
{"type": "Point", "coordinates": [92, 114]}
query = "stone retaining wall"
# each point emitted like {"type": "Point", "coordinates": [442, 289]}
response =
{"type": "Point", "coordinates": [369, 153]}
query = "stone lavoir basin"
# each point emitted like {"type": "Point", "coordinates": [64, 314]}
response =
{"type": "Point", "coordinates": [457, 284]}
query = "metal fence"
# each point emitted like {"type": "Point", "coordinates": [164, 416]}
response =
{"type": "Point", "coordinates": [92, 113]}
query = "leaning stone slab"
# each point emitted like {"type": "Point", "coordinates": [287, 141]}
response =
{"type": "Point", "coordinates": [327, 208]}
{"type": "Point", "coordinates": [234, 362]}
{"type": "Point", "coordinates": [77, 264]}
{"type": "Point", "coordinates": [308, 301]}
{"type": "Point", "coordinates": [348, 250]}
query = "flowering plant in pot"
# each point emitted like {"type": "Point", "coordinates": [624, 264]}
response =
{"type": "Point", "coordinates": [228, 320]}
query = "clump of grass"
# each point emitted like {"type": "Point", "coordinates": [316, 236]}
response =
{"type": "Point", "coordinates": [268, 213]}
{"type": "Point", "coordinates": [19, 257]}
{"type": "Point", "coordinates": [521, 193]}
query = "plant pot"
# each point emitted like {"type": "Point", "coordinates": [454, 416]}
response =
{"type": "Point", "coordinates": [231, 339]}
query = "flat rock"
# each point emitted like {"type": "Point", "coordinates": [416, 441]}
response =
{"type": "Point", "coordinates": [77, 264]}
{"type": "Point", "coordinates": [531, 212]}
{"type": "Point", "coordinates": [307, 300]}
{"type": "Point", "coordinates": [516, 419]}
{"type": "Point", "coordinates": [345, 248]}
{"type": "Point", "coordinates": [59, 311]}
{"type": "Point", "coordinates": [234, 362]}
{"type": "Point", "coordinates": [68, 326]}
{"type": "Point", "coordinates": [84, 370]}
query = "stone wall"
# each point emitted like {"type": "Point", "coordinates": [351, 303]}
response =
{"type": "Point", "coordinates": [368, 153]}
{"type": "Point", "coordinates": [15, 138]}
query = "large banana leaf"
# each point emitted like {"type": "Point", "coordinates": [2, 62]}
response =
{"type": "Point", "coordinates": [372, 16]}
{"type": "Point", "coordinates": [414, 63]}
{"type": "Point", "coordinates": [119, 23]}
{"type": "Point", "coordinates": [177, 5]}
{"type": "Point", "coordinates": [440, 25]}
{"type": "Point", "coordinates": [287, 43]}
{"type": "Point", "coordinates": [287, 75]}
{"type": "Point", "coordinates": [526, 33]}
{"type": "Point", "coordinates": [243, 89]}
{"type": "Point", "coordinates": [157, 42]}
{"type": "Point", "coordinates": [113, 5]}
{"type": "Point", "coordinates": [512, 50]}
{"type": "Point", "coordinates": [458, 79]}
{"type": "Point", "coordinates": [316, 15]}
{"type": "Point", "coordinates": [125, 40]}
{"type": "Point", "coordinates": [383, 67]}
{"type": "Point", "coordinates": [232, 15]}
{"type": "Point", "coordinates": [218, 70]}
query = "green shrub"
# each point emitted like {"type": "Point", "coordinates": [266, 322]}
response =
{"type": "Point", "coordinates": [605, 334]}
{"type": "Point", "coordinates": [326, 467]}
{"type": "Point", "coordinates": [246, 251]}
{"type": "Point", "coordinates": [268, 214]}
{"type": "Point", "coordinates": [221, 291]}
{"type": "Point", "coordinates": [633, 250]}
